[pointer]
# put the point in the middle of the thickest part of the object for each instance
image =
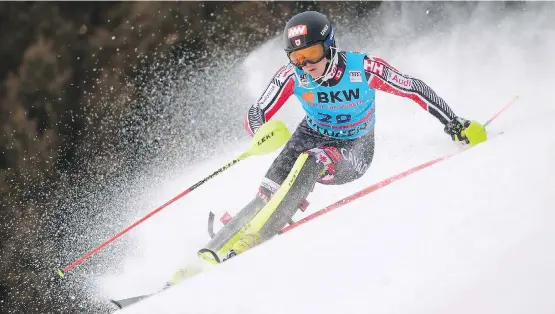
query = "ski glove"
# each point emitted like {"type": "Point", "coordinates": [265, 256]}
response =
{"type": "Point", "coordinates": [469, 132]}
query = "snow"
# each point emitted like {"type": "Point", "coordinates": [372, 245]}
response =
{"type": "Point", "coordinates": [471, 234]}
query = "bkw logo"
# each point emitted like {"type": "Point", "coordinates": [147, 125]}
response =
{"type": "Point", "coordinates": [338, 96]}
{"type": "Point", "coordinates": [297, 31]}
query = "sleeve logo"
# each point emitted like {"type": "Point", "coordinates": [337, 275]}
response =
{"type": "Point", "coordinates": [373, 66]}
{"type": "Point", "coordinates": [399, 80]}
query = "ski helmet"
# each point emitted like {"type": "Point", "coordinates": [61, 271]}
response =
{"type": "Point", "coordinates": [309, 29]}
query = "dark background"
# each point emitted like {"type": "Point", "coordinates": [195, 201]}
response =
{"type": "Point", "coordinates": [75, 82]}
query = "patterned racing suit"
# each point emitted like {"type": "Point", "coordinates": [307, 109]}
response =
{"type": "Point", "coordinates": [337, 131]}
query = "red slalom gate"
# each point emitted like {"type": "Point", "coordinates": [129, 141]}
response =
{"type": "Point", "coordinates": [367, 191]}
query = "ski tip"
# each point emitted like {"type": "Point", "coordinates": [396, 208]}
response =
{"type": "Point", "coordinates": [61, 273]}
{"type": "Point", "coordinates": [129, 301]}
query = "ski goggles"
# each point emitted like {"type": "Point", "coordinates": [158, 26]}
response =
{"type": "Point", "coordinates": [311, 54]}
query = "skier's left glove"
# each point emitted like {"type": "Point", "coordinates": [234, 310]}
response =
{"type": "Point", "coordinates": [467, 131]}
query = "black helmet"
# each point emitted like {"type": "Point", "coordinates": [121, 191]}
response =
{"type": "Point", "coordinates": [306, 29]}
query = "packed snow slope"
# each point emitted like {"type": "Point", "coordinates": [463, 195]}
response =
{"type": "Point", "coordinates": [472, 234]}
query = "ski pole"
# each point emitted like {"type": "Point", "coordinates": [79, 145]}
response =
{"type": "Point", "coordinates": [502, 109]}
{"type": "Point", "coordinates": [271, 136]}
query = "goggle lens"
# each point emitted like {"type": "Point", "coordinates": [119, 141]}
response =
{"type": "Point", "coordinates": [311, 54]}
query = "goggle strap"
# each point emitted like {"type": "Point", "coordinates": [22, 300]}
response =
{"type": "Point", "coordinates": [329, 40]}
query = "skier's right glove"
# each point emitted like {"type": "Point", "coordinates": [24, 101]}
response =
{"type": "Point", "coordinates": [466, 131]}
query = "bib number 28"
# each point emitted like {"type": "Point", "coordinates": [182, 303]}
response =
{"type": "Point", "coordinates": [338, 119]}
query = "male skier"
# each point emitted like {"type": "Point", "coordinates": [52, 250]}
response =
{"type": "Point", "coordinates": [336, 89]}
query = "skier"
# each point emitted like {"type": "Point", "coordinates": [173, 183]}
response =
{"type": "Point", "coordinates": [336, 90]}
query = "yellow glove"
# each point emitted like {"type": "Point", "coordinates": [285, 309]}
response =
{"type": "Point", "coordinates": [470, 132]}
{"type": "Point", "coordinates": [474, 132]}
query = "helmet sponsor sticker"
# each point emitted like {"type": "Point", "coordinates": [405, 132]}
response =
{"type": "Point", "coordinates": [323, 32]}
{"type": "Point", "coordinates": [297, 30]}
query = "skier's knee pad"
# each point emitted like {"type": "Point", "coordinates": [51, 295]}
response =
{"type": "Point", "coordinates": [349, 164]}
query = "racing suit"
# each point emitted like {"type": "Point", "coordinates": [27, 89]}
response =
{"type": "Point", "coordinates": [337, 131]}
